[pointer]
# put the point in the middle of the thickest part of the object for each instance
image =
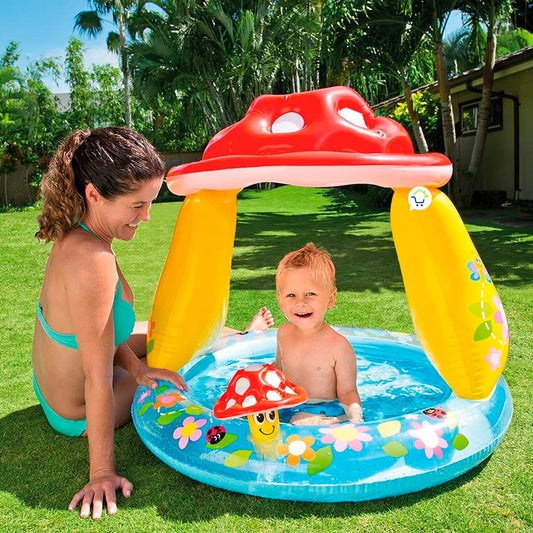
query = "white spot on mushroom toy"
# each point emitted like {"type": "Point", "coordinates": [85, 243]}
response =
{"type": "Point", "coordinates": [258, 391]}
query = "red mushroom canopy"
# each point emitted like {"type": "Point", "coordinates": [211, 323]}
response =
{"type": "Point", "coordinates": [258, 388]}
{"type": "Point", "coordinates": [319, 138]}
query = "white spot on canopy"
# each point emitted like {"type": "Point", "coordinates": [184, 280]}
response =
{"type": "Point", "coordinates": [288, 123]}
{"type": "Point", "coordinates": [353, 117]}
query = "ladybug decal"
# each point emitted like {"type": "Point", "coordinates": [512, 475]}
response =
{"type": "Point", "coordinates": [215, 434]}
{"type": "Point", "coordinates": [435, 412]}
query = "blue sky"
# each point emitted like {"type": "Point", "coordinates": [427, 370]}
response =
{"type": "Point", "coordinates": [43, 27]}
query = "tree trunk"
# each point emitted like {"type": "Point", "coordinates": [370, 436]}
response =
{"type": "Point", "coordinates": [125, 71]}
{"type": "Point", "coordinates": [415, 120]}
{"type": "Point", "coordinates": [483, 118]}
{"type": "Point", "coordinates": [448, 121]}
{"type": "Point", "coordinates": [223, 115]}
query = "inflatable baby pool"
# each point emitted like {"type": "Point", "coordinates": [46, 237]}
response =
{"type": "Point", "coordinates": [417, 432]}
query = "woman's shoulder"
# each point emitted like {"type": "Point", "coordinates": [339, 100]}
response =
{"type": "Point", "coordinates": [79, 252]}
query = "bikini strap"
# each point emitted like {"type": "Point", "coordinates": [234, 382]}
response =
{"type": "Point", "coordinates": [83, 226]}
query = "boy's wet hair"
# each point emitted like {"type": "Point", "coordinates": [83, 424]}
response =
{"type": "Point", "coordinates": [317, 259]}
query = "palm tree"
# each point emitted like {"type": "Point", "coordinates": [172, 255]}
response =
{"type": "Point", "coordinates": [216, 56]}
{"type": "Point", "coordinates": [91, 23]}
{"type": "Point", "coordinates": [465, 50]}
{"type": "Point", "coordinates": [387, 37]}
{"type": "Point", "coordinates": [438, 14]}
{"type": "Point", "coordinates": [494, 15]}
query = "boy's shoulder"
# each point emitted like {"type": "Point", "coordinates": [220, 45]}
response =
{"type": "Point", "coordinates": [338, 341]}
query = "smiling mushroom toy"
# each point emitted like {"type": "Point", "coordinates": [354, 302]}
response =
{"type": "Point", "coordinates": [258, 391]}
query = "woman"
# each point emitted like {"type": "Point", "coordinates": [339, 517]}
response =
{"type": "Point", "coordinates": [88, 352]}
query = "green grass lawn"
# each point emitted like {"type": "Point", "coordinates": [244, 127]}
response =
{"type": "Point", "coordinates": [41, 470]}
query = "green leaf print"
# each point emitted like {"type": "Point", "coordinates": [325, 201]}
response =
{"type": "Point", "coordinates": [238, 458]}
{"type": "Point", "coordinates": [482, 309]}
{"type": "Point", "coordinates": [226, 441]}
{"type": "Point", "coordinates": [322, 460]}
{"type": "Point", "coordinates": [483, 331]}
{"type": "Point", "coordinates": [460, 442]}
{"type": "Point", "coordinates": [395, 449]}
{"type": "Point", "coordinates": [145, 408]}
{"type": "Point", "coordinates": [166, 418]}
{"type": "Point", "coordinates": [150, 346]}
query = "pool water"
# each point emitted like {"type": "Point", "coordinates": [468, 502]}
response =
{"type": "Point", "coordinates": [393, 379]}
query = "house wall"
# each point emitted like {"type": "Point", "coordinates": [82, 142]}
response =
{"type": "Point", "coordinates": [497, 170]}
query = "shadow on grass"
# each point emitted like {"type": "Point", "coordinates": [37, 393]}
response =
{"type": "Point", "coordinates": [44, 470]}
{"type": "Point", "coordinates": [360, 241]}
{"type": "Point", "coordinates": [361, 247]}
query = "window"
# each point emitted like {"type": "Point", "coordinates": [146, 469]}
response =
{"type": "Point", "coordinates": [469, 116]}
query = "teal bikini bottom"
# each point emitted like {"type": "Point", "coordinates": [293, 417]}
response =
{"type": "Point", "coordinates": [70, 428]}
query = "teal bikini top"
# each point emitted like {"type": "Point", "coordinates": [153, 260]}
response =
{"type": "Point", "coordinates": [123, 318]}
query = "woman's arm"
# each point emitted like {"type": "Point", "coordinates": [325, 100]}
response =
{"type": "Point", "coordinates": [90, 294]}
{"type": "Point", "coordinates": [126, 358]}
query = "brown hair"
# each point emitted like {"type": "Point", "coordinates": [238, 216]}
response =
{"type": "Point", "coordinates": [317, 259]}
{"type": "Point", "coordinates": [114, 159]}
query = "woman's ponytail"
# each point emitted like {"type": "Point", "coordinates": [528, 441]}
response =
{"type": "Point", "coordinates": [63, 205]}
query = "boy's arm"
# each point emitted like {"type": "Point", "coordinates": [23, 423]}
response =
{"type": "Point", "coordinates": [278, 362]}
{"type": "Point", "coordinates": [346, 374]}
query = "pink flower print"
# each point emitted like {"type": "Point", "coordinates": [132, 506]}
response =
{"type": "Point", "coordinates": [428, 438]}
{"type": "Point", "coordinates": [167, 400]}
{"type": "Point", "coordinates": [189, 431]}
{"type": "Point", "coordinates": [345, 435]}
{"type": "Point", "coordinates": [487, 276]}
{"type": "Point", "coordinates": [494, 358]}
{"type": "Point", "coordinates": [500, 318]}
{"type": "Point", "coordinates": [143, 396]}
{"type": "Point", "coordinates": [474, 276]}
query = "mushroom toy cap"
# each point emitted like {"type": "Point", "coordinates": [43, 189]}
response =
{"type": "Point", "coordinates": [258, 388]}
{"type": "Point", "coordinates": [320, 138]}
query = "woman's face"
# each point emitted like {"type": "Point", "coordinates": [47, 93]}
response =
{"type": "Point", "coordinates": [124, 213]}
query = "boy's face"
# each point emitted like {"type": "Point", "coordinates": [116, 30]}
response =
{"type": "Point", "coordinates": [304, 298]}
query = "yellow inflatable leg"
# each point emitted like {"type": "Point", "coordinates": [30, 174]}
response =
{"type": "Point", "coordinates": [191, 300]}
{"type": "Point", "coordinates": [456, 310]}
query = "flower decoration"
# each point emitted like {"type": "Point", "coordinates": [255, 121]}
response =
{"type": "Point", "coordinates": [189, 431]}
{"type": "Point", "coordinates": [474, 269]}
{"type": "Point", "coordinates": [143, 396]}
{"type": "Point", "coordinates": [345, 435]}
{"type": "Point", "coordinates": [297, 448]}
{"type": "Point", "coordinates": [167, 400]}
{"type": "Point", "coordinates": [494, 358]}
{"type": "Point", "coordinates": [500, 318]}
{"type": "Point", "coordinates": [428, 438]}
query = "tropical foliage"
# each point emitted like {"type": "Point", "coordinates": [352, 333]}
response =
{"type": "Point", "coordinates": [193, 68]}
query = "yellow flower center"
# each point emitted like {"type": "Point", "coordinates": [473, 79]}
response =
{"type": "Point", "coordinates": [188, 430]}
{"type": "Point", "coordinates": [345, 433]}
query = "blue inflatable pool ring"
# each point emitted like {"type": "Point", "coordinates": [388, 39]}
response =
{"type": "Point", "coordinates": [417, 433]}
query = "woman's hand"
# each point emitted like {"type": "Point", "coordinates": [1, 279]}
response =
{"type": "Point", "coordinates": [103, 485]}
{"type": "Point", "coordinates": [148, 376]}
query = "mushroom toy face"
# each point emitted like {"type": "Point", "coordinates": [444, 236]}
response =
{"type": "Point", "coordinates": [257, 392]}
{"type": "Point", "coordinates": [264, 426]}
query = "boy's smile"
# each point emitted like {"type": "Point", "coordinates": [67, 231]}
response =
{"type": "Point", "coordinates": [304, 297]}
